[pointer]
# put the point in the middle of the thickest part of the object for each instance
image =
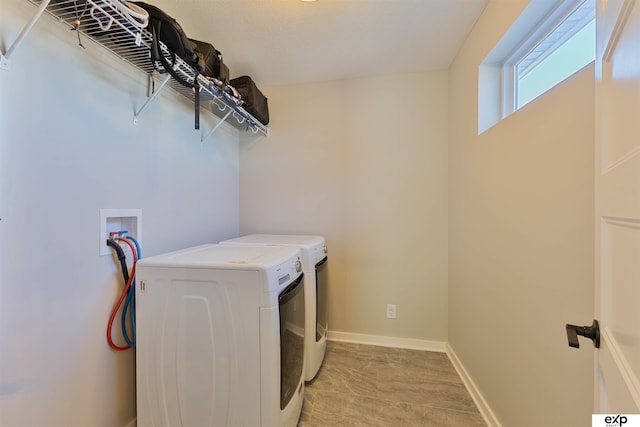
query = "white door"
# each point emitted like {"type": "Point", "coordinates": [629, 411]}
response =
{"type": "Point", "coordinates": [617, 210]}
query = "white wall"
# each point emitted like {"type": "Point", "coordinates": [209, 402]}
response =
{"type": "Point", "coordinates": [68, 147]}
{"type": "Point", "coordinates": [521, 233]}
{"type": "Point", "coordinates": [364, 163]}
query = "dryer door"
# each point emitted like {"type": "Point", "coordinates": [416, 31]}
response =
{"type": "Point", "coordinates": [291, 306]}
{"type": "Point", "coordinates": [322, 324]}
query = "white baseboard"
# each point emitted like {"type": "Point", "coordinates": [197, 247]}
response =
{"type": "Point", "coordinates": [484, 408]}
{"type": "Point", "coordinates": [132, 423]}
{"type": "Point", "coordinates": [410, 343]}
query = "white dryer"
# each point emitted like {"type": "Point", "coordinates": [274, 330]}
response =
{"type": "Point", "coordinates": [220, 337]}
{"type": "Point", "coordinates": [314, 266]}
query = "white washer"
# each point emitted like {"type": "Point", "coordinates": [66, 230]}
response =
{"type": "Point", "coordinates": [314, 265]}
{"type": "Point", "coordinates": [219, 329]}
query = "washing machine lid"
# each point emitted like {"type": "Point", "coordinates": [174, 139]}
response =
{"type": "Point", "coordinates": [313, 248]}
{"type": "Point", "coordinates": [227, 257]}
{"type": "Point", "coordinates": [279, 239]}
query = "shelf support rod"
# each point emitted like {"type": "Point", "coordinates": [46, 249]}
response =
{"type": "Point", "coordinates": [4, 59]}
{"type": "Point", "coordinates": [222, 120]}
{"type": "Point", "coordinates": [152, 97]}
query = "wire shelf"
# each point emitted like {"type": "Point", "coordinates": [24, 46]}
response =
{"type": "Point", "coordinates": [103, 22]}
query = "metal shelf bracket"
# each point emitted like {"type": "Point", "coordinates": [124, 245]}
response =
{"type": "Point", "coordinates": [215, 128]}
{"type": "Point", "coordinates": [4, 58]}
{"type": "Point", "coordinates": [4, 62]}
{"type": "Point", "coordinates": [153, 95]}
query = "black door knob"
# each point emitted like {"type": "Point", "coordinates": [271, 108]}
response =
{"type": "Point", "coordinates": [592, 332]}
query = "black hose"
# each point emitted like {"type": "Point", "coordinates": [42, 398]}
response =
{"type": "Point", "coordinates": [121, 257]}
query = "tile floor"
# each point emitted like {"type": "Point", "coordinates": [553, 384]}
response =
{"type": "Point", "coordinates": [363, 385]}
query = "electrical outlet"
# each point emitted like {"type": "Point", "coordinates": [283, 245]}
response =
{"type": "Point", "coordinates": [391, 311]}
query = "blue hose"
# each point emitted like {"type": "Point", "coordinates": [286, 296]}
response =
{"type": "Point", "coordinates": [129, 304]}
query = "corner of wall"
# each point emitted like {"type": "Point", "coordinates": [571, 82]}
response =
{"type": "Point", "coordinates": [483, 406]}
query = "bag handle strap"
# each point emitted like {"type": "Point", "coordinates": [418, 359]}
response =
{"type": "Point", "coordinates": [196, 104]}
{"type": "Point", "coordinates": [157, 55]}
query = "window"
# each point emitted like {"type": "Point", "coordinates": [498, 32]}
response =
{"type": "Point", "coordinates": [541, 49]}
{"type": "Point", "coordinates": [566, 49]}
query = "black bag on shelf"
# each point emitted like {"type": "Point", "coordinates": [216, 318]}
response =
{"type": "Point", "coordinates": [168, 31]}
{"type": "Point", "coordinates": [254, 101]}
{"type": "Point", "coordinates": [165, 29]}
{"type": "Point", "coordinates": [211, 62]}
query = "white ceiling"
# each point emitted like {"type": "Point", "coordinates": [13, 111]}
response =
{"type": "Point", "coordinates": [280, 42]}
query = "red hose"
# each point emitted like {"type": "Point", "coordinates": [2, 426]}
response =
{"type": "Point", "coordinates": [125, 291]}
{"type": "Point", "coordinates": [133, 249]}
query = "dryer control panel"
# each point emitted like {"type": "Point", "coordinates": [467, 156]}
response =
{"type": "Point", "coordinates": [288, 271]}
